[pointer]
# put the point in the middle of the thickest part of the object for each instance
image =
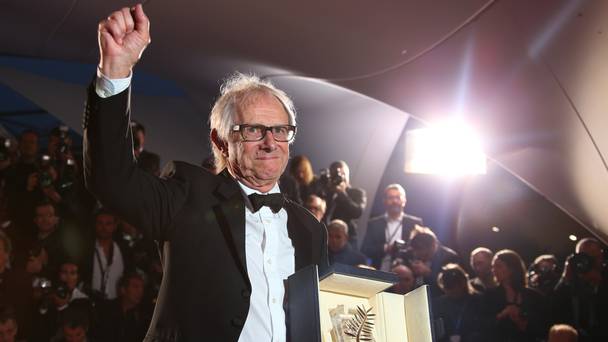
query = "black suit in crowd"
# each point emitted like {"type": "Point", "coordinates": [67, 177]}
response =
{"type": "Point", "coordinates": [533, 306]}
{"type": "Point", "coordinates": [199, 220]}
{"type": "Point", "coordinates": [375, 237]}
{"type": "Point", "coordinates": [346, 206]}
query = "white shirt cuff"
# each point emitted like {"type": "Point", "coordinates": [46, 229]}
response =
{"type": "Point", "coordinates": [106, 87]}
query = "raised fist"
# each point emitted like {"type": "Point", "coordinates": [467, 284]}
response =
{"type": "Point", "coordinates": [123, 36]}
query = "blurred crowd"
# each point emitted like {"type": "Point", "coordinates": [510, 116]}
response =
{"type": "Point", "coordinates": [71, 270]}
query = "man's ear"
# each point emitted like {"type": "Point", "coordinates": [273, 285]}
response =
{"type": "Point", "coordinates": [218, 142]}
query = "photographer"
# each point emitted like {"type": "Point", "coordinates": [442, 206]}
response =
{"type": "Point", "coordinates": [386, 233]}
{"type": "Point", "coordinates": [426, 256]}
{"type": "Point", "coordinates": [56, 297]}
{"type": "Point", "coordinates": [543, 274]}
{"type": "Point", "coordinates": [125, 318]}
{"type": "Point", "coordinates": [581, 295]}
{"type": "Point", "coordinates": [343, 201]}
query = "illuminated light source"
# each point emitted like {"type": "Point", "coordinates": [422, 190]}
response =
{"type": "Point", "coordinates": [451, 148]}
{"type": "Point", "coordinates": [495, 229]}
{"type": "Point", "coordinates": [572, 237]}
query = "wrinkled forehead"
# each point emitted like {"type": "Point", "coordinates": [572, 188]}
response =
{"type": "Point", "coordinates": [260, 105]}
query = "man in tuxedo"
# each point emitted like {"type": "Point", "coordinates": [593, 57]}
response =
{"type": "Point", "coordinates": [229, 240]}
{"type": "Point", "coordinates": [384, 230]}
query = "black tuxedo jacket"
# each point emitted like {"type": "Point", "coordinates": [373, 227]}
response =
{"type": "Point", "coordinates": [199, 220]}
{"type": "Point", "coordinates": [375, 236]}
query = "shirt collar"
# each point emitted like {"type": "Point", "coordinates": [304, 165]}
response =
{"type": "Point", "coordinates": [388, 218]}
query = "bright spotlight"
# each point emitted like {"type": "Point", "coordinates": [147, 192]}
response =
{"type": "Point", "coordinates": [448, 149]}
{"type": "Point", "coordinates": [495, 229]}
{"type": "Point", "coordinates": [572, 237]}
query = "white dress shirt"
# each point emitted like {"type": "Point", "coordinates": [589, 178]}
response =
{"type": "Point", "coordinates": [270, 260]}
{"type": "Point", "coordinates": [392, 233]}
{"type": "Point", "coordinates": [106, 274]}
{"type": "Point", "coordinates": [269, 253]}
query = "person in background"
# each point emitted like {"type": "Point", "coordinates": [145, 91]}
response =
{"type": "Point", "coordinates": [516, 312]}
{"type": "Point", "coordinates": [8, 325]}
{"type": "Point", "coordinates": [340, 251]}
{"type": "Point", "coordinates": [406, 280]}
{"type": "Point", "coordinates": [124, 319]}
{"type": "Point", "coordinates": [385, 232]}
{"type": "Point", "coordinates": [481, 263]}
{"type": "Point", "coordinates": [316, 205]}
{"type": "Point", "coordinates": [344, 201]}
{"type": "Point", "coordinates": [301, 170]}
{"type": "Point", "coordinates": [459, 308]}
{"type": "Point", "coordinates": [580, 298]}
{"type": "Point", "coordinates": [426, 256]}
{"type": "Point", "coordinates": [543, 274]}
{"type": "Point", "coordinates": [562, 333]}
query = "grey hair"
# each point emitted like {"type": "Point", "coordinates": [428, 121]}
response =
{"type": "Point", "coordinates": [236, 92]}
{"type": "Point", "coordinates": [338, 224]}
{"type": "Point", "coordinates": [397, 187]}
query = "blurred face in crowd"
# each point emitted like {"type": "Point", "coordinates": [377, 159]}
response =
{"type": "Point", "coordinates": [8, 331]}
{"type": "Point", "coordinates": [76, 334]}
{"type": "Point", "coordinates": [105, 225]}
{"type": "Point", "coordinates": [501, 271]}
{"type": "Point", "coordinates": [394, 202]}
{"type": "Point", "coordinates": [457, 290]}
{"type": "Point", "coordinates": [316, 205]}
{"type": "Point", "coordinates": [594, 250]}
{"type": "Point", "coordinates": [28, 146]}
{"type": "Point", "coordinates": [301, 173]}
{"type": "Point", "coordinates": [68, 274]}
{"type": "Point", "coordinates": [482, 263]}
{"type": "Point", "coordinates": [45, 219]}
{"type": "Point", "coordinates": [259, 164]}
{"type": "Point", "coordinates": [424, 253]}
{"type": "Point", "coordinates": [406, 279]}
{"type": "Point", "coordinates": [133, 292]}
{"type": "Point", "coordinates": [336, 238]}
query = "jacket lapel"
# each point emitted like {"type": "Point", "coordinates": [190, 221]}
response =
{"type": "Point", "coordinates": [230, 214]}
{"type": "Point", "coordinates": [300, 235]}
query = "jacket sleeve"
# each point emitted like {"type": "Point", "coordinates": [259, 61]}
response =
{"type": "Point", "coordinates": [373, 243]}
{"type": "Point", "coordinates": [112, 176]}
{"type": "Point", "coordinates": [352, 202]}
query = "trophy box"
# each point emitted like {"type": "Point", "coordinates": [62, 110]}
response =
{"type": "Point", "coordinates": [348, 304]}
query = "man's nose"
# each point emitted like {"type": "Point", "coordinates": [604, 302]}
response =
{"type": "Point", "coordinates": [268, 142]}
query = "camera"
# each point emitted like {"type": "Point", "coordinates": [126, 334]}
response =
{"type": "Point", "coordinates": [329, 178]}
{"type": "Point", "coordinates": [400, 253]}
{"type": "Point", "coordinates": [581, 263]}
{"type": "Point", "coordinates": [543, 276]}
{"type": "Point", "coordinates": [46, 289]}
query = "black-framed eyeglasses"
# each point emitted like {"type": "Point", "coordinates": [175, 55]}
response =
{"type": "Point", "coordinates": [280, 133]}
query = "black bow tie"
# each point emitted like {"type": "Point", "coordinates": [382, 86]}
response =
{"type": "Point", "coordinates": [274, 201]}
